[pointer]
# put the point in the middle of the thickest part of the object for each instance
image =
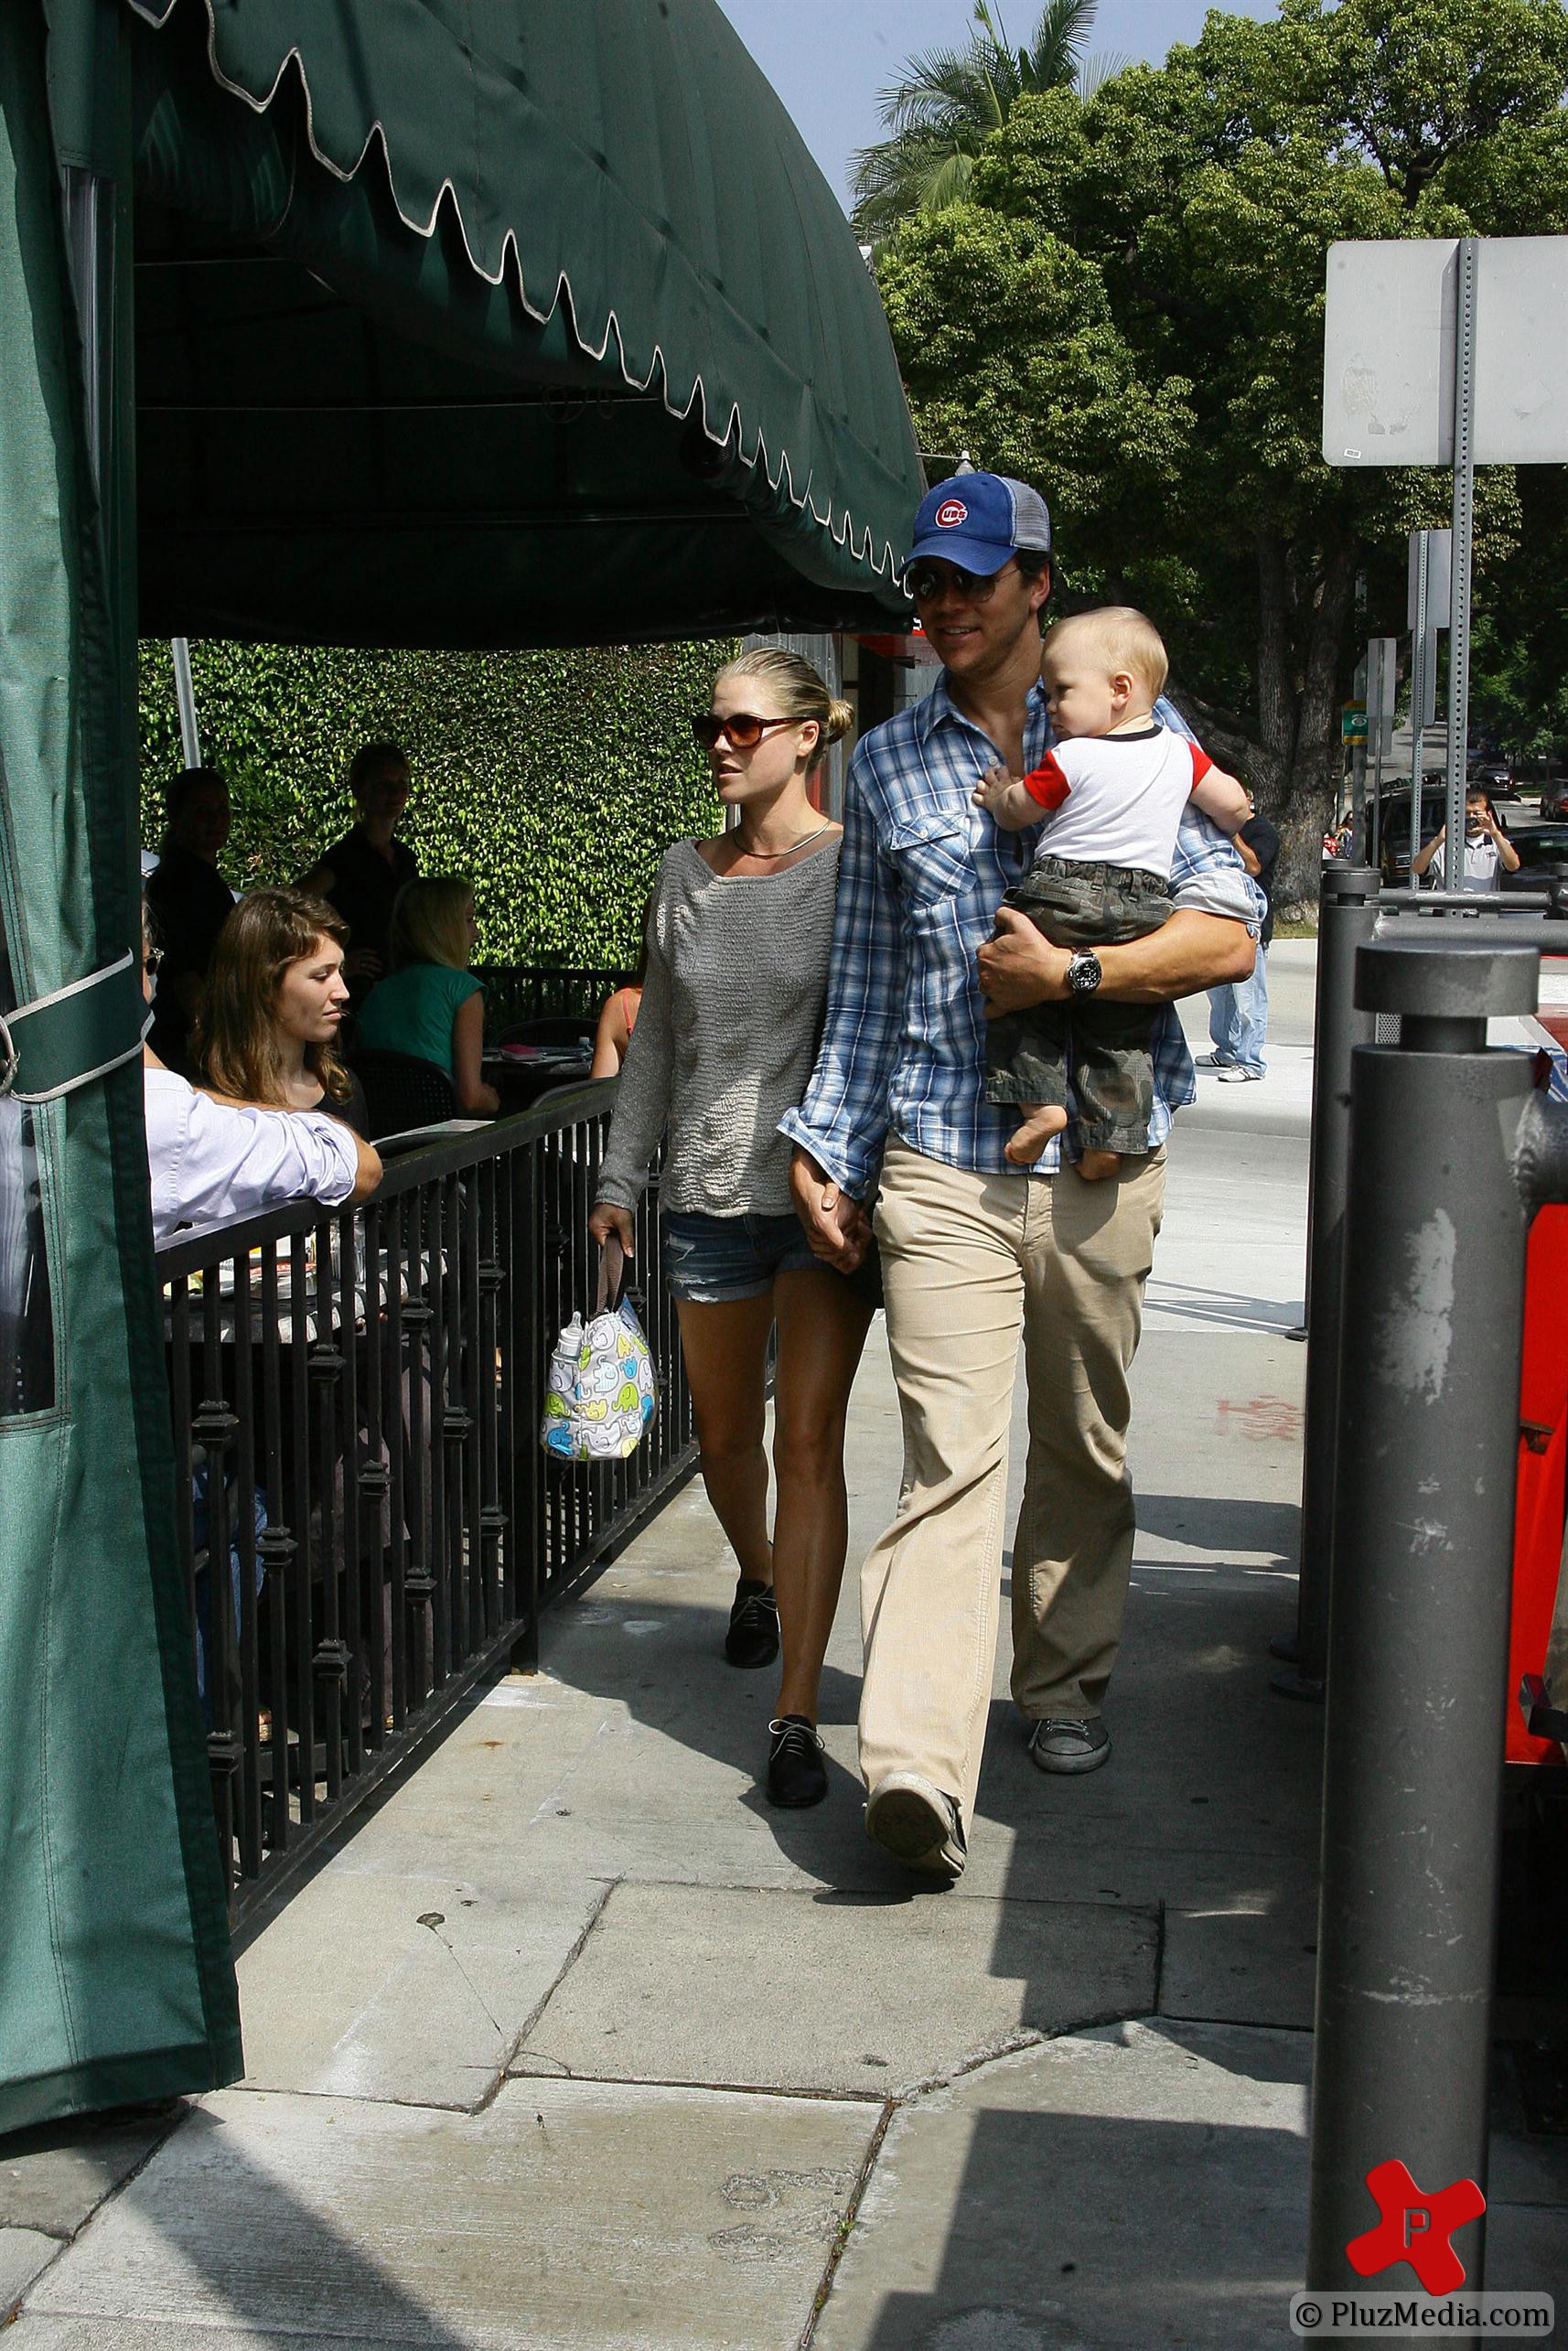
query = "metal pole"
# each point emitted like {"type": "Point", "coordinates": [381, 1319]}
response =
{"type": "Point", "coordinates": [185, 697]}
{"type": "Point", "coordinates": [1347, 914]}
{"type": "Point", "coordinates": [1424, 1532]}
{"type": "Point", "coordinates": [1381, 675]}
{"type": "Point", "coordinates": [1459, 592]}
{"type": "Point", "coordinates": [1418, 657]}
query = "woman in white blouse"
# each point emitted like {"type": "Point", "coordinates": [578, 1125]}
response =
{"type": "Point", "coordinates": [211, 1162]}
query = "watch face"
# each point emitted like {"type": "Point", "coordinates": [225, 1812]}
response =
{"type": "Point", "coordinates": [1083, 973]}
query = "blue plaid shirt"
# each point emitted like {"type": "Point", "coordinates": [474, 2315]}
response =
{"type": "Point", "coordinates": [921, 873]}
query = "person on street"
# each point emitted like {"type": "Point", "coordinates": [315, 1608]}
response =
{"type": "Point", "coordinates": [973, 1246]}
{"type": "Point", "coordinates": [1239, 1010]}
{"type": "Point", "coordinates": [1486, 851]}
{"type": "Point", "coordinates": [737, 971]}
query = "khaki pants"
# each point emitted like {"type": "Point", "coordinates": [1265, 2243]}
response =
{"type": "Point", "coordinates": [967, 1258]}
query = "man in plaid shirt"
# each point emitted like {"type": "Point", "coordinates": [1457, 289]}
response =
{"type": "Point", "coordinates": [974, 1248]}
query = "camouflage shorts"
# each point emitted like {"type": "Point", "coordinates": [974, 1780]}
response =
{"type": "Point", "coordinates": [1091, 1054]}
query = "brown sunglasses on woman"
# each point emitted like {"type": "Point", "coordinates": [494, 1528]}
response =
{"type": "Point", "coordinates": [745, 729]}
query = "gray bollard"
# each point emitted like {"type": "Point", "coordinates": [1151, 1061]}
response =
{"type": "Point", "coordinates": [1347, 914]}
{"type": "Point", "coordinates": [1451, 1151]}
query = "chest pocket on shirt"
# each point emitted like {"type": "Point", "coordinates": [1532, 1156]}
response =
{"type": "Point", "coordinates": [931, 857]}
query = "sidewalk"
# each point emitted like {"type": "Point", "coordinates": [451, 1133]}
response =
{"type": "Point", "coordinates": [575, 2043]}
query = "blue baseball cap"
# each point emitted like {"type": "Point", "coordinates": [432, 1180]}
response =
{"type": "Point", "coordinates": [980, 521]}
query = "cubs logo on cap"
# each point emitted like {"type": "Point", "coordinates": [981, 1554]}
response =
{"type": "Point", "coordinates": [979, 520]}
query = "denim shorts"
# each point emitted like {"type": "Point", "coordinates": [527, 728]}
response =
{"type": "Point", "coordinates": [711, 1261]}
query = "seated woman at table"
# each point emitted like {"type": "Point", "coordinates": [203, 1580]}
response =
{"type": "Point", "coordinates": [211, 1160]}
{"type": "Point", "coordinates": [618, 1013]}
{"type": "Point", "coordinates": [432, 1005]}
{"type": "Point", "coordinates": [271, 1006]}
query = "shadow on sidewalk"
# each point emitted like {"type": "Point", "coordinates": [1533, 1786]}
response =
{"type": "Point", "coordinates": [205, 2238]}
{"type": "Point", "coordinates": [1089, 2228]}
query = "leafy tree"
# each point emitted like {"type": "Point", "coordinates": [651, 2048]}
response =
{"type": "Point", "coordinates": [1128, 308]}
{"type": "Point", "coordinates": [950, 102]}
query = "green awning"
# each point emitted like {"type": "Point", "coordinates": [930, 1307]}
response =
{"type": "Point", "coordinates": [497, 322]}
{"type": "Point", "coordinates": [116, 1983]}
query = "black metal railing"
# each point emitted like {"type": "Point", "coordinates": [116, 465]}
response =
{"type": "Point", "coordinates": [515, 993]}
{"type": "Point", "coordinates": [366, 1520]}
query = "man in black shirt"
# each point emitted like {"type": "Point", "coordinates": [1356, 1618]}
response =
{"type": "Point", "coordinates": [190, 901]}
{"type": "Point", "coordinates": [361, 875]}
{"type": "Point", "coordinates": [1239, 1012]}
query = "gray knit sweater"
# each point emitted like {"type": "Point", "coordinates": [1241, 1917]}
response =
{"type": "Point", "coordinates": [726, 1035]}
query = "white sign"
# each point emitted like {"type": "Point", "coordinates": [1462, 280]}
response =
{"type": "Point", "coordinates": [1388, 351]}
{"type": "Point", "coordinates": [1382, 678]}
{"type": "Point", "coordinates": [1439, 546]}
{"type": "Point", "coordinates": [1382, 692]}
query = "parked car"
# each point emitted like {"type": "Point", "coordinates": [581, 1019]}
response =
{"type": "Point", "coordinates": [1497, 775]}
{"type": "Point", "coordinates": [1554, 794]}
{"type": "Point", "coordinates": [1394, 861]}
{"type": "Point", "coordinates": [1540, 851]}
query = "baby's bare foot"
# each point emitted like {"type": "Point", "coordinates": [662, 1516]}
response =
{"type": "Point", "coordinates": [1096, 1166]}
{"type": "Point", "coordinates": [1038, 1122]}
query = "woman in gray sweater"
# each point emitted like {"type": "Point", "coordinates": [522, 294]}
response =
{"type": "Point", "coordinates": [738, 933]}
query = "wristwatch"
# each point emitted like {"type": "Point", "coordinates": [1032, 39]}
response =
{"type": "Point", "coordinates": [1083, 972]}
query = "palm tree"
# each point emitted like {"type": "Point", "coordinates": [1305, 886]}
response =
{"type": "Point", "coordinates": [951, 101]}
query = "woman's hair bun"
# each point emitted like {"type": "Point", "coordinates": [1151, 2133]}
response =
{"type": "Point", "coordinates": [840, 718]}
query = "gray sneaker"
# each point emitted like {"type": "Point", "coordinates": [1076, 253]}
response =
{"type": "Point", "coordinates": [915, 1822]}
{"type": "Point", "coordinates": [1069, 1743]}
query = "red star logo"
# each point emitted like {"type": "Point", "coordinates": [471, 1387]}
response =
{"type": "Point", "coordinates": [1416, 2228]}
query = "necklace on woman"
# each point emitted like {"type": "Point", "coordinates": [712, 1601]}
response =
{"type": "Point", "coordinates": [798, 843]}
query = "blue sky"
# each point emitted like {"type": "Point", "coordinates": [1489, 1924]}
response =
{"type": "Point", "coordinates": [828, 59]}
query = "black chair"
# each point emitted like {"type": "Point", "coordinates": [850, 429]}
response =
{"type": "Point", "coordinates": [401, 1090]}
{"type": "Point", "coordinates": [554, 1028]}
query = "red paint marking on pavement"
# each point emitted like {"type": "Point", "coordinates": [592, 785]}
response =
{"type": "Point", "coordinates": [1263, 1419]}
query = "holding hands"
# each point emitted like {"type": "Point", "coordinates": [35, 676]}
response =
{"type": "Point", "coordinates": [837, 1227]}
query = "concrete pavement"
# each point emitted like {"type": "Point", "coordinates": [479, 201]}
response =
{"type": "Point", "coordinates": [576, 2043]}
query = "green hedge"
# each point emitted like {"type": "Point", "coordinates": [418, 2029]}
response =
{"type": "Point", "coordinates": [555, 781]}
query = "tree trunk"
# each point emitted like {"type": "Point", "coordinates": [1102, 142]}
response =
{"type": "Point", "coordinates": [1307, 803]}
{"type": "Point", "coordinates": [1290, 754]}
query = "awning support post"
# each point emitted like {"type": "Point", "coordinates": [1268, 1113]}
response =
{"type": "Point", "coordinates": [185, 697]}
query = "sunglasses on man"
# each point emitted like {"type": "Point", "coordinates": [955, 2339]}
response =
{"type": "Point", "coordinates": [927, 582]}
{"type": "Point", "coordinates": [744, 728]}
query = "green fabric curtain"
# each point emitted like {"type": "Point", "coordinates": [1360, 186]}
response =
{"type": "Point", "coordinates": [539, 307]}
{"type": "Point", "coordinates": [115, 1979]}
{"type": "Point", "coordinates": [440, 322]}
